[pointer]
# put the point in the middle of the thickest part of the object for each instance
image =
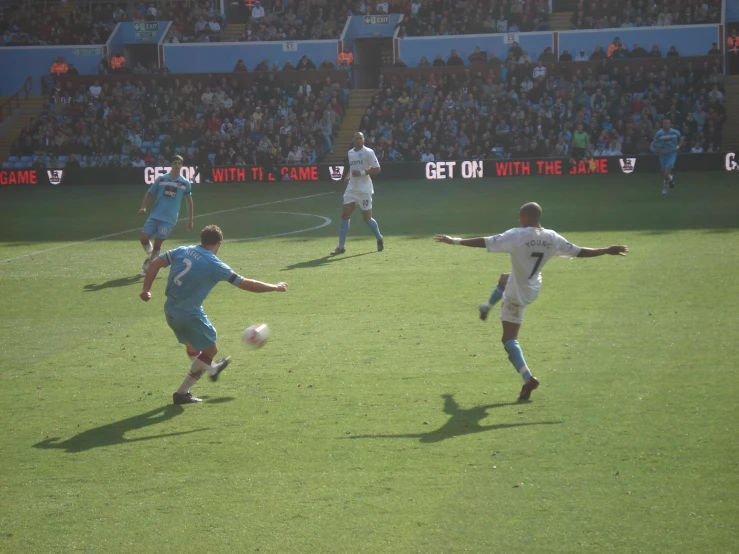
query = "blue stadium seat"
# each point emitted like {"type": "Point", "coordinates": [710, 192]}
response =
{"type": "Point", "coordinates": [147, 144]}
{"type": "Point", "coordinates": [198, 116]}
{"type": "Point", "coordinates": [22, 165]}
{"type": "Point", "coordinates": [191, 149]}
{"type": "Point", "coordinates": [155, 150]}
{"type": "Point", "coordinates": [26, 158]}
{"type": "Point", "coordinates": [63, 158]}
{"type": "Point", "coordinates": [158, 143]}
{"type": "Point", "coordinates": [162, 137]}
{"type": "Point", "coordinates": [8, 165]}
{"type": "Point", "coordinates": [13, 159]}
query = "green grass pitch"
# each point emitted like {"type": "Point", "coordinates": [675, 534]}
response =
{"type": "Point", "coordinates": [381, 417]}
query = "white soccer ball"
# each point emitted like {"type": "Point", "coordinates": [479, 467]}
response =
{"type": "Point", "coordinates": [255, 336]}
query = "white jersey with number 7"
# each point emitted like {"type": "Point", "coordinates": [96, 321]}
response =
{"type": "Point", "coordinates": [364, 158]}
{"type": "Point", "coordinates": [530, 248]}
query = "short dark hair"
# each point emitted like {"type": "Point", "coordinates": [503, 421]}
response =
{"type": "Point", "coordinates": [178, 157]}
{"type": "Point", "coordinates": [211, 235]}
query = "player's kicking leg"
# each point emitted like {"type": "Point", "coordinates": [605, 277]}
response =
{"type": "Point", "coordinates": [160, 231]}
{"type": "Point", "coordinates": [198, 336]}
{"type": "Point", "coordinates": [496, 295]}
{"type": "Point", "coordinates": [511, 315]}
{"type": "Point", "coordinates": [346, 215]}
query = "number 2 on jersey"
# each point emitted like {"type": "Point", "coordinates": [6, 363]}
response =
{"type": "Point", "coordinates": [540, 257]}
{"type": "Point", "coordinates": [188, 267]}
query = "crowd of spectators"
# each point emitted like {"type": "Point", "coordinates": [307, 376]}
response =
{"type": "Point", "coordinates": [619, 51]}
{"type": "Point", "coordinates": [132, 124]}
{"type": "Point", "coordinates": [451, 17]}
{"type": "Point", "coordinates": [525, 110]}
{"type": "Point", "coordinates": [295, 19]}
{"type": "Point", "coordinates": [613, 14]}
{"type": "Point", "coordinates": [42, 25]}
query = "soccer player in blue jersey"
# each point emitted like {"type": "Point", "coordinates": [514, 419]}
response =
{"type": "Point", "coordinates": [194, 271]}
{"type": "Point", "coordinates": [168, 191]}
{"type": "Point", "coordinates": [667, 141]}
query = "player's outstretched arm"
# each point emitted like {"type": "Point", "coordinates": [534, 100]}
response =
{"type": "Point", "coordinates": [257, 286]}
{"type": "Point", "coordinates": [151, 274]}
{"type": "Point", "coordinates": [478, 242]}
{"type": "Point", "coordinates": [615, 250]}
{"type": "Point", "coordinates": [144, 202]}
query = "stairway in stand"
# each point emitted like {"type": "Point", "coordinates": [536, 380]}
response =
{"type": "Point", "coordinates": [359, 100]}
{"type": "Point", "coordinates": [29, 109]}
{"type": "Point", "coordinates": [731, 125]}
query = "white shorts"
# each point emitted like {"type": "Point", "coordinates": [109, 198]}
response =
{"type": "Point", "coordinates": [512, 311]}
{"type": "Point", "coordinates": [361, 199]}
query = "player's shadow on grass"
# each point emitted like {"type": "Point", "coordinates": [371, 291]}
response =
{"type": "Point", "coordinates": [462, 422]}
{"type": "Point", "coordinates": [122, 282]}
{"type": "Point", "coordinates": [114, 433]}
{"type": "Point", "coordinates": [323, 261]}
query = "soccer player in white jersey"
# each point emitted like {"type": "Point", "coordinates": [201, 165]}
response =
{"type": "Point", "coordinates": [530, 246]}
{"type": "Point", "coordinates": [362, 165]}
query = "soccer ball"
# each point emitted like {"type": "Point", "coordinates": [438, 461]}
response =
{"type": "Point", "coordinates": [255, 336]}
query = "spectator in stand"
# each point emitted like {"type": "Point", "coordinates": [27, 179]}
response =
{"type": "Point", "coordinates": [399, 63]}
{"type": "Point", "coordinates": [616, 49]}
{"type": "Point", "coordinates": [655, 52]}
{"type": "Point", "coordinates": [240, 67]}
{"type": "Point", "coordinates": [565, 56]}
{"type": "Point", "coordinates": [423, 62]}
{"type": "Point", "coordinates": [305, 64]}
{"type": "Point", "coordinates": [714, 51]}
{"type": "Point", "coordinates": [454, 59]}
{"type": "Point", "coordinates": [59, 68]}
{"type": "Point", "coordinates": [540, 71]}
{"type": "Point", "coordinates": [598, 54]}
{"type": "Point", "coordinates": [672, 52]}
{"type": "Point", "coordinates": [117, 62]}
{"type": "Point", "coordinates": [581, 57]}
{"type": "Point", "coordinates": [326, 65]}
{"type": "Point", "coordinates": [478, 56]}
{"type": "Point", "coordinates": [639, 52]}
{"type": "Point", "coordinates": [345, 59]}
{"type": "Point", "coordinates": [439, 61]}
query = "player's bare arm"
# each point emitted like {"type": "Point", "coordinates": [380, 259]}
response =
{"type": "Point", "coordinates": [615, 250]}
{"type": "Point", "coordinates": [371, 171]}
{"type": "Point", "coordinates": [144, 202]}
{"type": "Point", "coordinates": [258, 286]}
{"type": "Point", "coordinates": [151, 274]}
{"type": "Point", "coordinates": [190, 212]}
{"type": "Point", "coordinates": [478, 242]}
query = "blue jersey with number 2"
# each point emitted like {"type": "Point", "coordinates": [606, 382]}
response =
{"type": "Point", "coordinates": [168, 193]}
{"type": "Point", "coordinates": [193, 273]}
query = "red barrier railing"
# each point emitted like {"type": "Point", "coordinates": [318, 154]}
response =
{"type": "Point", "coordinates": [15, 100]}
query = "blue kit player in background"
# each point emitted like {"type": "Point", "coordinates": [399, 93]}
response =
{"type": "Point", "coordinates": [667, 141]}
{"type": "Point", "coordinates": [168, 192]}
{"type": "Point", "coordinates": [194, 271]}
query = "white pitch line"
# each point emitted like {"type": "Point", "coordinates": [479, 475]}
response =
{"type": "Point", "coordinates": [181, 219]}
{"type": "Point", "coordinates": [326, 221]}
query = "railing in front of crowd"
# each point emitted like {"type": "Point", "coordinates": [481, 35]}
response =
{"type": "Point", "coordinates": [15, 100]}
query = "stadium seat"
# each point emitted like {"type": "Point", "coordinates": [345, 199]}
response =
{"type": "Point", "coordinates": [8, 165]}
{"type": "Point", "coordinates": [147, 144]}
{"type": "Point", "coordinates": [13, 158]}
{"type": "Point", "coordinates": [26, 158]}
{"type": "Point", "coordinates": [63, 158]}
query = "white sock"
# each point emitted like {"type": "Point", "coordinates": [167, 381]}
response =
{"type": "Point", "coordinates": [147, 248]}
{"type": "Point", "coordinates": [153, 255]}
{"type": "Point", "coordinates": [197, 369]}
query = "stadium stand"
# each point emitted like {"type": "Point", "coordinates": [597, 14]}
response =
{"type": "Point", "coordinates": [143, 120]}
{"type": "Point", "coordinates": [519, 110]}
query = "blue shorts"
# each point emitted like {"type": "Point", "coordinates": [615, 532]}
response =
{"type": "Point", "coordinates": [667, 161]}
{"type": "Point", "coordinates": [193, 329]}
{"type": "Point", "coordinates": [157, 228]}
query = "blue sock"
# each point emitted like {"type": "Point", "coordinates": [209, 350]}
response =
{"type": "Point", "coordinates": [343, 232]}
{"type": "Point", "coordinates": [495, 296]}
{"type": "Point", "coordinates": [372, 224]}
{"type": "Point", "coordinates": [515, 355]}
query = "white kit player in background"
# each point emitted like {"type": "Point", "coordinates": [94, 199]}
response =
{"type": "Point", "coordinates": [530, 246]}
{"type": "Point", "coordinates": [362, 164]}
